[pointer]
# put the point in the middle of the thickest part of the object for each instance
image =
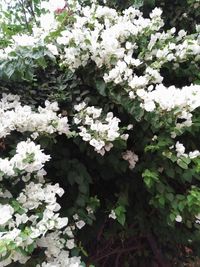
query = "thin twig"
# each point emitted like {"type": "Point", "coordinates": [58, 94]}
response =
{"type": "Point", "coordinates": [101, 231]}
{"type": "Point", "coordinates": [157, 252]}
{"type": "Point", "coordinates": [117, 260]}
{"type": "Point", "coordinates": [31, 11]}
{"type": "Point", "coordinates": [24, 10]}
{"type": "Point", "coordinates": [118, 250]}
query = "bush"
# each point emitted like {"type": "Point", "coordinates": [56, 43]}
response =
{"type": "Point", "coordinates": [99, 134]}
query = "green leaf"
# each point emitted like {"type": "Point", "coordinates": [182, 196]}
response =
{"type": "Point", "coordinates": [181, 206]}
{"type": "Point", "coordinates": [78, 178]}
{"type": "Point", "coordinates": [150, 177]}
{"type": "Point", "coordinates": [182, 164]}
{"type": "Point", "coordinates": [138, 3]}
{"type": "Point", "coordinates": [170, 196]}
{"type": "Point", "coordinates": [172, 217]}
{"type": "Point", "coordinates": [197, 82]}
{"type": "Point", "coordinates": [162, 200]}
{"type": "Point", "coordinates": [81, 200]}
{"type": "Point", "coordinates": [83, 188]}
{"type": "Point", "coordinates": [120, 214]}
{"type": "Point", "coordinates": [187, 160]}
{"type": "Point", "coordinates": [170, 171]}
{"type": "Point", "coordinates": [101, 87]}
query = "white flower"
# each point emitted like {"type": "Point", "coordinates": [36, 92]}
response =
{"type": "Point", "coordinates": [108, 146]}
{"type": "Point", "coordinates": [6, 167]}
{"type": "Point", "coordinates": [68, 231]}
{"type": "Point", "coordinates": [89, 210]}
{"type": "Point", "coordinates": [80, 224]}
{"type": "Point", "coordinates": [130, 126]}
{"type": "Point", "coordinates": [112, 215]}
{"type": "Point", "coordinates": [182, 33]}
{"type": "Point", "coordinates": [56, 4]}
{"type": "Point", "coordinates": [178, 218]}
{"type": "Point", "coordinates": [24, 40]}
{"type": "Point", "coordinates": [48, 22]}
{"type": "Point", "coordinates": [197, 216]}
{"type": "Point", "coordinates": [35, 233]}
{"type": "Point", "coordinates": [156, 12]}
{"type": "Point", "coordinates": [70, 244]}
{"type": "Point", "coordinates": [180, 149]}
{"type": "Point", "coordinates": [80, 106]}
{"type": "Point", "coordinates": [194, 154]}
{"type": "Point", "coordinates": [75, 217]}
{"type": "Point", "coordinates": [149, 106]}
{"type": "Point", "coordinates": [34, 135]}
{"type": "Point", "coordinates": [98, 144]}
{"type": "Point", "coordinates": [53, 49]}
{"type": "Point", "coordinates": [6, 212]}
{"type": "Point", "coordinates": [61, 222]}
{"type": "Point", "coordinates": [21, 219]}
{"type": "Point", "coordinates": [29, 157]}
{"type": "Point", "coordinates": [131, 157]}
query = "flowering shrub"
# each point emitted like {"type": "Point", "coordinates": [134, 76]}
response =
{"type": "Point", "coordinates": [31, 219]}
{"type": "Point", "coordinates": [99, 132]}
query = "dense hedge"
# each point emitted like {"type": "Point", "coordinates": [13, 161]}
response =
{"type": "Point", "coordinates": [123, 138]}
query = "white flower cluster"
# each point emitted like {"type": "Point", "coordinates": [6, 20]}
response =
{"type": "Point", "coordinates": [114, 41]}
{"type": "Point", "coordinates": [36, 214]}
{"type": "Point", "coordinates": [47, 23]}
{"type": "Point", "coordinates": [28, 158]}
{"type": "Point", "coordinates": [79, 223]}
{"type": "Point", "coordinates": [180, 150]}
{"type": "Point", "coordinates": [100, 132]}
{"type": "Point", "coordinates": [96, 129]}
{"type": "Point", "coordinates": [33, 197]}
{"type": "Point", "coordinates": [62, 260]}
{"type": "Point", "coordinates": [178, 153]}
{"type": "Point", "coordinates": [131, 157]}
{"type": "Point", "coordinates": [185, 100]}
{"type": "Point", "coordinates": [14, 116]}
{"type": "Point", "coordinates": [128, 48]}
{"type": "Point", "coordinates": [122, 45]}
{"type": "Point", "coordinates": [55, 246]}
{"type": "Point", "coordinates": [32, 219]}
{"type": "Point", "coordinates": [99, 33]}
{"type": "Point", "coordinates": [6, 213]}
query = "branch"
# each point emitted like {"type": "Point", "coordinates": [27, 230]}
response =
{"type": "Point", "coordinates": [157, 252]}
{"type": "Point", "coordinates": [24, 10]}
{"type": "Point", "coordinates": [120, 251]}
{"type": "Point", "coordinates": [117, 260]}
{"type": "Point", "coordinates": [31, 11]}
